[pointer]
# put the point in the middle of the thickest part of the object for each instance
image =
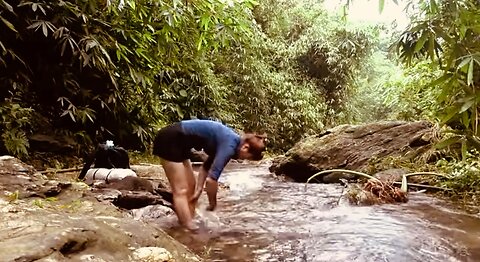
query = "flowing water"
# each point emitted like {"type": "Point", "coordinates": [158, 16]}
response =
{"type": "Point", "coordinates": [260, 218]}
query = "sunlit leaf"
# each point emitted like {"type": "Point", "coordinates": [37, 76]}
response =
{"type": "Point", "coordinates": [8, 24]}
{"type": "Point", "coordinates": [470, 73]}
{"type": "Point", "coordinates": [464, 62]}
{"type": "Point", "coordinates": [7, 5]}
{"type": "Point", "coordinates": [183, 93]}
{"type": "Point", "coordinates": [421, 42]}
{"type": "Point", "coordinates": [381, 5]}
{"type": "Point", "coordinates": [447, 142]}
{"type": "Point", "coordinates": [466, 105]}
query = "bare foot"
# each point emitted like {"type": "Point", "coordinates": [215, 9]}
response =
{"type": "Point", "coordinates": [192, 226]}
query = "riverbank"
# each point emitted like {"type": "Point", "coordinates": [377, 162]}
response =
{"type": "Point", "coordinates": [55, 217]}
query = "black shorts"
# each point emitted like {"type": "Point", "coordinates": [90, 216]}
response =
{"type": "Point", "coordinates": [172, 144]}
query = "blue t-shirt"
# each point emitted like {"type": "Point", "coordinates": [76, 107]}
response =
{"type": "Point", "coordinates": [219, 141]}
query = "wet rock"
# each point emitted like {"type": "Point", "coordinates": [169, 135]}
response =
{"type": "Point", "coordinates": [132, 193]}
{"type": "Point", "coordinates": [130, 183]}
{"type": "Point", "coordinates": [13, 166]}
{"type": "Point", "coordinates": [31, 234]}
{"type": "Point", "coordinates": [53, 188]}
{"type": "Point", "coordinates": [394, 174]}
{"type": "Point", "coordinates": [74, 226]}
{"type": "Point", "coordinates": [152, 254]}
{"type": "Point", "coordinates": [336, 177]}
{"type": "Point", "coordinates": [129, 199]}
{"type": "Point", "coordinates": [22, 180]}
{"type": "Point", "coordinates": [151, 213]}
{"type": "Point", "coordinates": [351, 147]}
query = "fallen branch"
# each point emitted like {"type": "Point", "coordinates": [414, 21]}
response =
{"type": "Point", "coordinates": [424, 186]}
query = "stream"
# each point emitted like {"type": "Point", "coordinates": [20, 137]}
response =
{"type": "Point", "coordinates": [260, 218]}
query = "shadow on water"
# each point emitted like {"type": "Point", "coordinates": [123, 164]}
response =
{"type": "Point", "coordinates": [262, 219]}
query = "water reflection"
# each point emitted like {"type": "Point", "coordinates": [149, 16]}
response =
{"type": "Point", "coordinates": [262, 219]}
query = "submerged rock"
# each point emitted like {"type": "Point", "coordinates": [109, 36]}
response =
{"type": "Point", "coordinates": [352, 147]}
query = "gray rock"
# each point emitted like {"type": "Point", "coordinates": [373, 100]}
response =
{"type": "Point", "coordinates": [152, 254]}
{"type": "Point", "coordinates": [351, 147]}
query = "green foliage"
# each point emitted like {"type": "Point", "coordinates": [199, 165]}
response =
{"type": "Point", "coordinates": [97, 70]}
{"type": "Point", "coordinates": [294, 76]}
{"type": "Point", "coordinates": [15, 124]}
{"type": "Point", "coordinates": [463, 175]}
{"type": "Point", "coordinates": [446, 33]}
{"type": "Point", "coordinates": [409, 95]}
{"type": "Point", "coordinates": [115, 68]}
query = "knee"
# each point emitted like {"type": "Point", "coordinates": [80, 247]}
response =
{"type": "Point", "coordinates": [180, 192]}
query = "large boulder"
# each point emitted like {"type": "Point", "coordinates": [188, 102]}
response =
{"type": "Point", "coordinates": [352, 147]}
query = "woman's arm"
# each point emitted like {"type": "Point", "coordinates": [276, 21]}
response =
{"type": "Point", "coordinates": [202, 176]}
{"type": "Point", "coordinates": [211, 188]}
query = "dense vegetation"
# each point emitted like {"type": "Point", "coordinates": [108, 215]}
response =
{"type": "Point", "coordinates": [92, 70]}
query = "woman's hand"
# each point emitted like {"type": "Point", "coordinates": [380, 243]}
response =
{"type": "Point", "coordinates": [212, 206]}
{"type": "Point", "coordinates": [196, 196]}
{"type": "Point", "coordinates": [211, 188]}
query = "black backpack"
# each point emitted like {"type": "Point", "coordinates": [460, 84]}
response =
{"type": "Point", "coordinates": [106, 157]}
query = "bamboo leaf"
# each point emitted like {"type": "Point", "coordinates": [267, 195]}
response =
{"type": "Point", "coordinates": [8, 6]}
{"type": "Point", "coordinates": [450, 114]}
{"type": "Point", "coordinates": [447, 142]}
{"type": "Point", "coordinates": [8, 24]}
{"type": "Point", "coordinates": [44, 29]}
{"type": "Point", "coordinates": [464, 63]}
{"type": "Point", "coordinates": [421, 42]}
{"type": "Point", "coordinates": [433, 6]}
{"type": "Point", "coordinates": [381, 5]}
{"type": "Point", "coordinates": [470, 73]}
{"type": "Point", "coordinates": [466, 105]}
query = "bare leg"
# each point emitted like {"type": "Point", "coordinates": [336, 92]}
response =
{"type": "Point", "coordinates": [191, 185]}
{"type": "Point", "coordinates": [178, 177]}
